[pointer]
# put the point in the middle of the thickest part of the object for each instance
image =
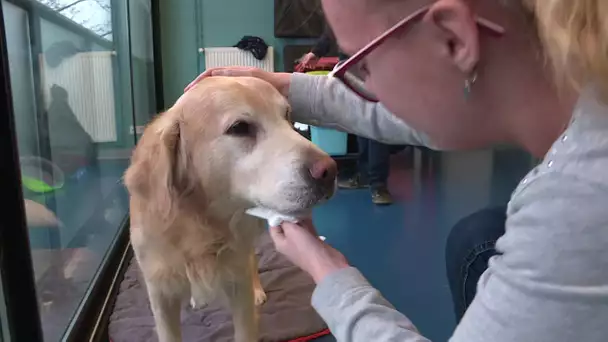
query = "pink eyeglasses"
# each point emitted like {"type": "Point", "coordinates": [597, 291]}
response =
{"type": "Point", "coordinates": [350, 71]}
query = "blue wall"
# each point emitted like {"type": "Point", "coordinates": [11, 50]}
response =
{"type": "Point", "coordinates": [190, 24]}
{"type": "Point", "coordinates": [225, 22]}
{"type": "Point", "coordinates": [179, 46]}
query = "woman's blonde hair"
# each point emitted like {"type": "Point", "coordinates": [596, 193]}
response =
{"type": "Point", "coordinates": [575, 37]}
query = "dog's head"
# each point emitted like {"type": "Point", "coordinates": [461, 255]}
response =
{"type": "Point", "coordinates": [227, 144]}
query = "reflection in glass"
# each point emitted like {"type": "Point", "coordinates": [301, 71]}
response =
{"type": "Point", "coordinates": [95, 15]}
{"type": "Point", "coordinates": [142, 61]}
{"type": "Point", "coordinates": [70, 75]}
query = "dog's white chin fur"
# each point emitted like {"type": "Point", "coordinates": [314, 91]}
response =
{"type": "Point", "coordinates": [275, 218]}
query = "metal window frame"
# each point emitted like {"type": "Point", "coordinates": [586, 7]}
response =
{"type": "Point", "coordinates": [52, 16]}
{"type": "Point", "coordinates": [16, 267]}
{"type": "Point", "coordinates": [158, 56]}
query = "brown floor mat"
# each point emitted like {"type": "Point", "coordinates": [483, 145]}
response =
{"type": "Point", "coordinates": [286, 315]}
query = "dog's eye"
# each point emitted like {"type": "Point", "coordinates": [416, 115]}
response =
{"type": "Point", "coordinates": [241, 129]}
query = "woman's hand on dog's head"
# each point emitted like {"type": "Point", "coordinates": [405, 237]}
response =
{"type": "Point", "coordinates": [280, 80]}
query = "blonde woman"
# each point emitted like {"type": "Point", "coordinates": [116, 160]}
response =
{"type": "Point", "coordinates": [464, 74]}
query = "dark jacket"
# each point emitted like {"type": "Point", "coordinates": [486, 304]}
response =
{"type": "Point", "coordinates": [326, 44]}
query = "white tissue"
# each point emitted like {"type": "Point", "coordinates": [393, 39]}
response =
{"type": "Point", "coordinates": [300, 126]}
{"type": "Point", "coordinates": [274, 218]}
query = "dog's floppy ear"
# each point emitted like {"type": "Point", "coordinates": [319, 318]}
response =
{"type": "Point", "coordinates": [158, 170]}
{"type": "Point", "coordinates": [170, 163]}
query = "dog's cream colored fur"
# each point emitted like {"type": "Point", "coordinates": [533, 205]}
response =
{"type": "Point", "coordinates": [191, 179]}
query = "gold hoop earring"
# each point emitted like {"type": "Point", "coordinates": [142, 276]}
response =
{"type": "Point", "coordinates": [468, 84]}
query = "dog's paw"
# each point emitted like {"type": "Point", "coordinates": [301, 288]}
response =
{"type": "Point", "coordinates": [196, 305]}
{"type": "Point", "coordinates": [260, 296]}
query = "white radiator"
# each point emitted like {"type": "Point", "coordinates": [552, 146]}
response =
{"type": "Point", "coordinates": [88, 78]}
{"type": "Point", "coordinates": [229, 56]}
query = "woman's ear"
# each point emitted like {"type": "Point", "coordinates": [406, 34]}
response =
{"type": "Point", "coordinates": [455, 19]}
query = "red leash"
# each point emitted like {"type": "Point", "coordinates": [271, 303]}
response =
{"type": "Point", "coordinates": [311, 337]}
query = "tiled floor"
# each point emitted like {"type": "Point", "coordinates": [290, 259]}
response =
{"type": "Point", "coordinates": [400, 248]}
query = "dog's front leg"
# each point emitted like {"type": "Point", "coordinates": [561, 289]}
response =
{"type": "Point", "coordinates": [258, 290]}
{"type": "Point", "coordinates": [241, 299]}
{"type": "Point", "coordinates": [166, 310]}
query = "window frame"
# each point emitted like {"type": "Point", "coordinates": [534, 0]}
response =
{"type": "Point", "coordinates": [16, 269]}
{"type": "Point", "coordinates": [17, 278]}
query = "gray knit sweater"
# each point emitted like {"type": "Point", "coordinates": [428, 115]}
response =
{"type": "Point", "coordinates": [551, 281]}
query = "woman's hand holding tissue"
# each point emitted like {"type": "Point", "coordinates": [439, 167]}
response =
{"type": "Point", "coordinates": [301, 244]}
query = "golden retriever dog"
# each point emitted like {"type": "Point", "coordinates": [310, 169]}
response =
{"type": "Point", "coordinates": [225, 146]}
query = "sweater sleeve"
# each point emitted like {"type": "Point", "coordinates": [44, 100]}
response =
{"type": "Point", "coordinates": [549, 283]}
{"type": "Point", "coordinates": [326, 102]}
{"type": "Point", "coordinates": [357, 312]}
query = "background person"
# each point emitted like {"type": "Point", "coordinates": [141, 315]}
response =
{"type": "Point", "coordinates": [373, 161]}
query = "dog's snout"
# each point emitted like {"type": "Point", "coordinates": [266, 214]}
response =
{"type": "Point", "coordinates": [324, 170]}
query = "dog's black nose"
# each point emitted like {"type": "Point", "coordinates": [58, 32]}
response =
{"type": "Point", "coordinates": [324, 170]}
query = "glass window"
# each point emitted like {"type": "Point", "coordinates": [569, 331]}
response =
{"type": "Point", "coordinates": [95, 15]}
{"type": "Point", "coordinates": [142, 61]}
{"type": "Point", "coordinates": [82, 77]}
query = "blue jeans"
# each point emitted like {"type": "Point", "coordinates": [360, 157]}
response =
{"type": "Point", "coordinates": [470, 246]}
{"type": "Point", "coordinates": [374, 161]}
